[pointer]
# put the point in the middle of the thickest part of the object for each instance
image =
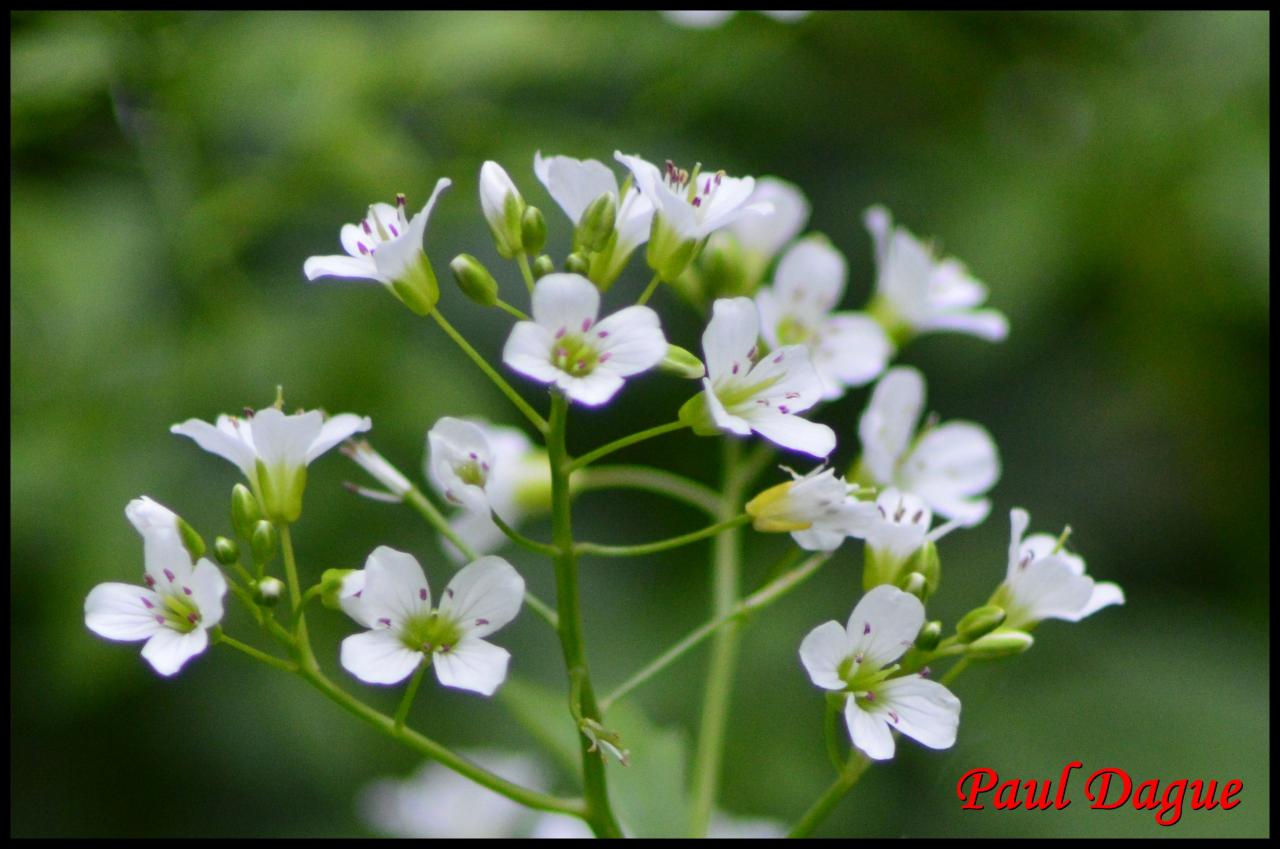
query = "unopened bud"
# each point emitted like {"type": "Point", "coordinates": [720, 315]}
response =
{"type": "Point", "coordinates": [245, 512]}
{"type": "Point", "coordinates": [596, 226]}
{"type": "Point", "coordinates": [191, 540]}
{"type": "Point", "coordinates": [474, 280]}
{"type": "Point", "coordinates": [979, 622]}
{"type": "Point", "coordinates": [268, 591]}
{"type": "Point", "coordinates": [577, 264]}
{"type": "Point", "coordinates": [914, 583]}
{"type": "Point", "coordinates": [533, 230]}
{"type": "Point", "coordinates": [263, 542]}
{"type": "Point", "coordinates": [226, 551]}
{"type": "Point", "coordinates": [1002, 643]}
{"type": "Point", "coordinates": [331, 586]}
{"type": "Point", "coordinates": [503, 209]}
{"type": "Point", "coordinates": [681, 363]}
{"type": "Point", "coordinates": [929, 636]}
{"type": "Point", "coordinates": [542, 266]}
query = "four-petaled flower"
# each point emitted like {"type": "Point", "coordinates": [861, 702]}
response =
{"type": "Point", "coordinates": [273, 450]}
{"type": "Point", "coordinates": [460, 462]}
{"type": "Point", "coordinates": [898, 532]}
{"type": "Point", "coordinates": [565, 344]}
{"type": "Point", "coordinates": [856, 659]}
{"type": "Point", "coordinates": [847, 348]}
{"type": "Point", "coordinates": [816, 509]}
{"type": "Point", "coordinates": [175, 609]}
{"type": "Point", "coordinates": [742, 394]}
{"type": "Point", "coordinates": [1044, 581]}
{"type": "Point", "coordinates": [918, 293]}
{"type": "Point", "coordinates": [390, 597]}
{"type": "Point", "coordinates": [948, 466]}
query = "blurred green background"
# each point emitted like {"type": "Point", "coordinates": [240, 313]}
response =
{"type": "Point", "coordinates": [1106, 174]}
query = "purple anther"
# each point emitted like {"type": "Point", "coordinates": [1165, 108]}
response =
{"type": "Point", "coordinates": [697, 201]}
{"type": "Point", "coordinates": [394, 232]}
{"type": "Point", "coordinates": [735, 368]}
{"type": "Point", "coordinates": [782, 408]}
{"type": "Point", "coordinates": [560, 333]}
{"type": "Point", "coordinates": [151, 582]}
{"type": "Point", "coordinates": [445, 648]}
{"type": "Point", "coordinates": [169, 575]}
{"type": "Point", "coordinates": [362, 247]}
{"type": "Point", "coordinates": [857, 658]}
{"type": "Point", "coordinates": [751, 355]}
{"type": "Point", "coordinates": [400, 200]}
{"type": "Point", "coordinates": [917, 517]}
{"type": "Point", "coordinates": [603, 334]}
{"type": "Point", "coordinates": [359, 593]}
{"type": "Point", "coordinates": [604, 358]}
{"type": "Point", "coordinates": [866, 628]}
{"type": "Point", "coordinates": [882, 513]}
{"type": "Point", "coordinates": [581, 364]}
{"type": "Point", "coordinates": [160, 619]}
{"type": "Point", "coordinates": [484, 466]}
{"type": "Point", "coordinates": [367, 229]}
{"type": "Point", "coordinates": [777, 359]}
{"type": "Point", "coordinates": [385, 621]}
{"type": "Point", "coordinates": [472, 455]}
{"type": "Point", "coordinates": [147, 603]}
{"type": "Point", "coordinates": [422, 594]}
{"type": "Point", "coordinates": [764, 402]}
{"type": "Point", "coordinates": [871, 697]}
{"type": "Point", "coordinates": [187, 590]}
{"type": "Point", "coordinates": [792, 395]}
{"type": "Point", "coordinates": [586, 325]}
{"type": "Point", "coordinates": [894, 717]}
{"type": "Point", "coordinates": [480, 622]}
{"type": "Point", "coordinates": [193, 618]}
{"type": "Point", "coordinates": [926, 672]}
{"type": "Point", "coordinates": [448, 591]}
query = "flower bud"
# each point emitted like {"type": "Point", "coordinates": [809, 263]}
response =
{"type": "Point", "coordinates": [596, 226]}
{"type": "Point", "coordinates": [542, 266]}
{"type": "Point", "coordinates": [770, 510]}
{"type": "Point", "coordinates": [914, 583]}
{"type": "Point", "coordinates": [978, 622]}
{"type": "Point", "coordinates": [503, 209]}
{"type": "Point", "coordinates": [669, 252]}
{"type": "Point", "coordinates": [245, 511]}
{"type": "Point", "coordinates": [533, 230]}
{"type": "Point", "coordinates": [268, 591]}
{"type": "Point", "coordinates": [191, 540]}
{"type": "Point", "coordinates": [263, 542]}
{"type": "Point", "coordinates": [929, 636]}
{"type": "Point", "coordinates": [225, 551]}
{"type": "Point", "coordinates": [681, 363]}
{"type": "Point", "coordinates": [474, 280]}
{"type": "Point", "coordinates": [577, 264]}
{"type": "Point", "coordinates": [331, 586]}
{"type": "Point", "coordinates": [1002, 643]}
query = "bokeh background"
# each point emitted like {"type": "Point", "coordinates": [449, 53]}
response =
{"type": "Point", "coordinates": [1106, 174]}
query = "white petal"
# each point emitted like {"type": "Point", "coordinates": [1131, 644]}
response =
{"type": "Point", "coordinates": [483, 596]}
{"type": "Point", "coordinates": [723, 418]}
{"type": "Point", "coordinates": [1043, 545]}
{"type": "Point", "coordinates": [635, 220]}
{"type": "Point", "coordinates": [593, 389]}
{"type": "Point", "coordinates": [1018, 521]}
{"type": "Point", "coordinates": [452, 442]}
{"type": "Point", "coordinates": [119, 612]}
{"type": "Point", "coordinates": [334, 430]}
{"type": "Point", "coordinates": [952, 288]}
{"type": "Point", "coordinates": [565, 301]}
{"type": "Point", "coordinates": [574, 183]}
{"type": "Point", "coordinates": [1048, 589]}
{"type": "Point", "coordinates": [495, 185]}
{"type": "Point", "coordinates": [890, 420]}
{"type": "Point", "coordinates": [630, 341]}
{"type": "Point", "coordinates": [985, 324]}
{"type": "Point", "coordinates": [816, 440]}
{"type": "Point", "coordinates": [208, 586]}
{"type": "Point", "coordinates": [852, 349]}
{"type": "Point", "coordinates": [478, 531]}
{"type": "Point", "coordinates": [219, 441]}
{"type": "Point", "coordinates": [879, 223]}
{"type": "Point", "coordinates": [904, 276]}
{"type": "Point", "coordinates": [1104, 595]}
{"type": "Point", "coordinates": [351, 599]}
{"type": "Point", "coordinates": [729, 203]}
{"type": "Point", "coordinates": [819, 539]}
{"type": "Point", "coordinates": [528, 351]}
{"type": "Point", "coordinates": [358, 268]}
{"type": "Point", "coordinates": [949, 464]}
{"type": "Point", "coordinates": [378, 657]}
{"type": "Point", "coordinates": [165, 559]}
{"type": "Point", "coordinates": [925, 711]}
{"type": "Point", "coordinates": [730, 337]}
{"type": "Point", "coordinates": [810, 278]}
{"type": "Point", "coordinates": [767, 233]}
{"type": "Point", "coordinates": [284, 440]}
{"type": "Point", "coordinates": [148, 515]}
{"type": "Point", "coordinates": [869, 732]}
{"type": "Point", "coordinates": [396, 257]}
{"type": "Point", "coordinates": [395, 589]}
{"type": "Point", "coordinates": [822, 652]}
{"type": "Point", "coordinates": [695, 19]}
{"type": "Point", "coordinates": [884, 625]}
{"type": "Point", "coordinates": [472, 664]}
{"type": "Point", "coordinates": [786, 379]}
{"type": "Point", "coordinates": [167, 650]}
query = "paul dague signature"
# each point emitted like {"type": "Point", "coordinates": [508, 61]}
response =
{"type": "Point", "coordinates": [1106, 789]}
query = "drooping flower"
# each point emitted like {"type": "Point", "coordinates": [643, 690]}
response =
{"type": "Point", "coordinates": [386, 247]}
{"type": "Point", "coordinates": [817, 509]}
{"type": "Point", "coordinates": [948, 466]}
{"type": "Point", "coordinates": [575, 184]}
{"type": "Point", "coordinates": [180, 602]}
{"type": "Point", "coordinates": [918, 293]}
{"type": "Point", "coordinates": [503, 208]}
{"type": "Point", "coordinates": [858, 659]}
{"type": "Point", "coordinates": [566, 346]}
{"type": "Point", "coordinates": [1044, 581]}
{"type": "Point", "coordinates": [390, 597]}
{"type": "Point", "coordinates": [741, 394]}
{"type": "Point", "coordinates": [847, 348]}
{"type": "Point", "coordinates": [273, 450]}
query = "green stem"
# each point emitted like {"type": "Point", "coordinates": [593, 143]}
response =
{"type": "Point", "coordinates": [522, 405]}
{"type": "Point", "coordinates": [256, 654]}
{"type": "Point", "coordinates": [645, 478]}
{"type": "Point", "coordinates": [954, 672]}
{"type": "Point", "coordinates": [662, 545]}
{"type": "Point", "coordinates": [406, 701]}
{"type": "Point", "coordinates": [853, 770]}
{"type": "Point", "coordinates": [726, 574]}
{"type": "Point", "coordinates": [759, 599]}
{"type": "Point", "coordinates": [591, 456]}
{"type": "Point", "coordinates": [583, 705]}
{"type": "Point", "coordinates": [301, 641]}
{"type": "Point", "coordinates": [510, 310]}
{"type": "Point", "coordinates": [649, 290]}
{"type": "Point", "coordinates": [831, 728]}
{"type": "Point", "coordinates": [522, 540]}
{"type": "Point", "coordinates": [523, 261]}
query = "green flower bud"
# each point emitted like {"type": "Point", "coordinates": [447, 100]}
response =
{"type": "Point", "coordinates": [263, 541]}
{"type": "Point", "coordinates": [245, 511]}
{"type": "Point", "coordinates": [1002, 643]}
{"type": "Point", "coordinates": [596, 226]}
{"type": "Point", "coordinates": [226, 551]}
{"type": "Point", "coordinates": [331, 585]}
{"type": "Point", "coordinates": [914, 583]}
{"type": "Point", "coordinates": [191, 540]}
{"type": "Point", "coordinates": [577, 264]}
{"type": "Point", "coordinates": [681, 363]}
{"type": "Point", "coordinates": [268, 591]}
{"type": "Point", "coordinates": [978, 622]}
{"type": "Point", "coordinates": [474, 280]}
{"type": "Point", "coordinates": [533, 230]}
{"type": "Point", "coordinates": [542, 266]}
{"type": "Point", "coordinates": [929, 636]}
{"type": "Point", "coordinates": [503, 209]}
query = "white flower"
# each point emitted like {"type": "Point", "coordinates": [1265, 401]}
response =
{"type": "Point", "coordinates": [694, 210]}
{"type": "Point", "coordinates": [710, 19]}
{"type": "Point", "coordinates": [460, 461]}
{"type": "Point", "coordinates": [847, 348]}
{"type": "Point", "coordinates": [857, 659]}
{"type": "Point", "coordinates": [390, 597]}
{"type": "Point", "coordinates": [722, 826]}
{"type": "Point", "coordinates": [575, 183]}
{"type": "Point", "coordinates": [741, 395]}
{"type": "Point", "coordinates": [918, 293]}
{"type": "Point", "coordinates": [766, 232]}
{"type": "Point", "coordinates": [175, 609]}
{"type": "Point", "coordinates": [273, 450]}
{"type": "Point", "coordinates": [900, 526]}
{"type": "Point", "coordinates": [517, 486]}
{"type": "Point", "coordinates": [566, 346]}
{"type": "Point", "coordinates": [948, 466]}
{"type": "Point", "coordinates": [386, 247]}
{"type": "Point", "coordinates": [816, 509]}
{"type": "Point", "coordinates": [503, 208]}
{"type": "Point", "coordinates": [1046, 582]}
{"type": "Point", "coordinates": [378, 468]}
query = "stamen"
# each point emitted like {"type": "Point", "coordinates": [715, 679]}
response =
{"type": "Point", "coordinates": [422, 594]}
{"type": "Point", "coordinates": [394, 231]}
{"type": "Point", "coordinates": [193, 618]}
{"type": "Point", "coordinates": [448, 591]}
{"type": "Point", "coordinates": [187, 590]}
{"type": "Point", "coordinates": [170, 575]}
{"type": "Point", "coordinates": [857, 658]}
{"type": "Point", "coordinates": [871, 697]}
{"type": "Point", "coordinates": [735, 368]}
{"type": "Point", "coordinates": [146, 603]}
{"type": "Point", "coordinates": [472, 455]}
{"type": "Point", "coordinates": [604, 358]}
{"type": "Point", "coordinates": [367, 229]}
{"type": "Point", "coordinates": [151, 582]}
{"type": "Point", "coordinates": [915, 520]}
{"type": "Point", "coordinates": [697, 201]}
{"type": "Point", "coordinates": [560, 333]}
{"type": "Point", "coordinates": [602, 334]}
{"type": "Point", "coordinates": [782, 408]}
{"type": "Point", "coordinates": [482, 622]}
{"type": "Point", "coordinates": [751, 355]}
{"type": "Point", "coordinates": [926, 672]}
{"type": "Point", "coordinates": [866, 628]}
{"type": "Point", "coordinates": [385, 621]}
{"type": "Point", "coordinates": [160, 619]}
{"type": "Point", "coordinates": [400, 200]}
{"type": "Point", "coordinates": [894, 717]}
{"type": "Point", "coordinates": [362, 247]}
{"type": "Point", "coordinates": [777, 359]}
{"type": "Point", "coordinates": [586, 325]}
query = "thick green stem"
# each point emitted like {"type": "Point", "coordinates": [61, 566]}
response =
{"type": "Point", "coordinates": [522, 405]}
{"type": "Point", "coordinates": [662, 545]}
{"type": "Point", "coordinates": [853, 770]}
{"type": "Point", "coordinates": [599, 814]}
{"type": "Point", "coordinates": [591, 456]}
{"type": "Point", "coordinates": [648, 479]}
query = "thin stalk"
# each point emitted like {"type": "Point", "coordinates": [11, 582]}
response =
{"type": "Point", "coordinates": [525, 271]}
{"type": "Point", "coordinates": [658, 481]}
{"type": "Point", "coordinates": [301, 641]}
{"type": "Point", "coordinates": [522, 405]}
{"type": "Point", "coordinates": [662, 545]}
{"type": "Point", "coordinates": [406, 701]}
{"type": "Point", "coordinates": [618, 444]}
{"type": "Point", "coordinates": [649, 290]}
{"type": "Point", "coordinates": [510, 310]}
{"type": "Point", "coordinates": [954, 672]}
{"type": "Point", "coordinates": [599, 814]}
{"type": "Point", "coordinates": [853, 770]}
{"type": "Point", "coordinates": [257, 654]}
{"type": "Point", "coordinates": [522, 540]}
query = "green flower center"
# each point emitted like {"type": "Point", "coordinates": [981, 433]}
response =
{"type": "Point", "coordinates": [793, 331]}
{"type": "Point", "coordinates": [573, 355]}
{"type": "Point", "coordinates": [431, 633]}
{"type": "Point", "coordinates": [179, 612]}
